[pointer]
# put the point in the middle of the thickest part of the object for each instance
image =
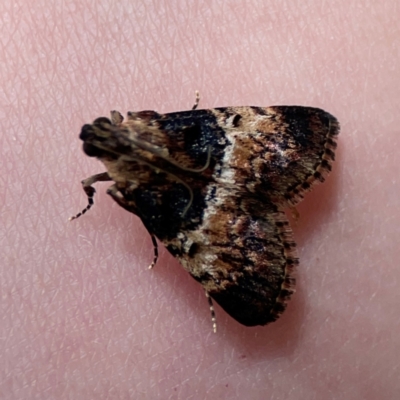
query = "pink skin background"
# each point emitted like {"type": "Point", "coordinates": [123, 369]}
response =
{"type": "Point", "coordinates": [81, 316]}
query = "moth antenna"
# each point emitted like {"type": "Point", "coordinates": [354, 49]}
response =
{"type": "Point", "coordinates": [197, 100]}
{"type": "Point", "coordinates": [195, 170]}
{"type": "Point", "coordinates": [213, 318]}
{"type": "Point", "coordinates": [158, 152]}
{"type": "Point", "coordinates": [157, 169]}
{"type": "Point", "coordinates": [155, 248]}
{"type": "Point", "coordinates": [189, 204]}
{"type": "Point", "coordinates": [115, 115]}
{"type": "Point", "coordinates": [140, 161]}
{"type": "Point", "coordinates": [206, 165]}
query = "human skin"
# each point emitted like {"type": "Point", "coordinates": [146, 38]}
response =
{"type": "Point", "coordinates": [81, 316]}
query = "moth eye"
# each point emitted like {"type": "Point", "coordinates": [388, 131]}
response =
{"type": "Point", "coordinates": [86, 132]}
{"type": "Point", "coordinates": [92, 151]}
{"type": "Point", "coordinates": [103, 124]}
{"type": "Point", "coordinates": [87, 135]}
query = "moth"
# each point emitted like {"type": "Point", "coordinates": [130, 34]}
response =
{"type": "Point", "coordinates": [212, 185]}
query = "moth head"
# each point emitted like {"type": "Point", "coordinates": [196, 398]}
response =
{"type": "Point", "coordinates": [98, 132]}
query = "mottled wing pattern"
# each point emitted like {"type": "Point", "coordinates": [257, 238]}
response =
{"type": "Point", "coordinates": [243, 254]}
{"type": "Point", "coordinates": [212, 186]}
{"type": "Point", "coordinates": [279, 152]}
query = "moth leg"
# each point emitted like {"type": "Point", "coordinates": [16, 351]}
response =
{"type": "Point", "coordinates": [90, 190]}
{"type": "Point", "coordinates": [213, 319]}
{"type": "Point", "coordinates": [117, 196]}
{"type": "Point", "coordinates": [119, 199]}
{"type": "Point", "coordinates": [196, 102]}
{"type": "Point", "coordinates": [155, 248]}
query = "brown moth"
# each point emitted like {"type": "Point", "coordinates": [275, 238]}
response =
{"type": "Point", "coordinates": [212, 186]}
